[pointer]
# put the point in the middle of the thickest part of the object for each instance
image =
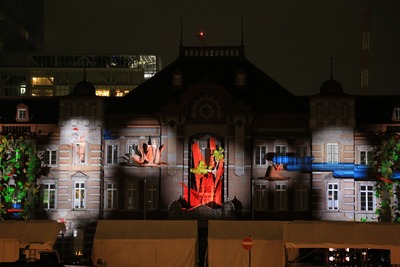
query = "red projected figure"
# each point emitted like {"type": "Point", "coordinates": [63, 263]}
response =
{"type": "Point", "coordinates": [207, 171]}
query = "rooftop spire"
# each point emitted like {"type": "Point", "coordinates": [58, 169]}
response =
{"type": "Point", "coordinates": [181, 32]}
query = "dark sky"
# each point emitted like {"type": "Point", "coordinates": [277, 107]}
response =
{"type": "Point", "coordinates": [291, 40]}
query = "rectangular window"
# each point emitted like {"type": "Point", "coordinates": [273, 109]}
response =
{"type": "Point", "coordinates": [92, 111]}
{"type": "Point", "coordinates": [301, 196]}
{"type": "Point", "coordinates": [68, 111]}
{"type": "Point", "coordinates": [151, 195]}
{"type": "Point", "coordinates": [301, 154]}
{"type": "Point", "coordinates": [81, 111]}
{"type": "Point", "coordinates": [280, 149]}
{"type": "Point", "coordinates": [112, 154]}
{"type": "Point", "coordinates": [332, 153]}
{"type": "Point", "coordinates": [261, 155]}
{"type": "Point", "coordinates": [132, 195]}
{"type": "Point", "coordinates": [47, 81]}
{"type": "Point", "coordinates": [320, 112]}
{"type": "Point", "coordinates": [131, 149]}
{"type": "Point", "coordinates": [112, 200]}
{"type": "Point", "coordinates": [333, 111]}
{"type": "Point", "coordinates": [366, 198]}
{"type": "Point", "coordinates": [260, 197]}
{"type": "Point", "coordinates": [280, 196]}
{"type": "Point", "coordinates": [49, 196]}
{"type": "Point", "coordinates": [22, 113]}
{"type": "Point", "coordinates": [345, 111]}
{"type": "Point", "coordinates": [397, 113]}
{"type": "Point", "coordinates": [240, 79]}
{"type": "Point", "coordinates": [79, 195]}
{"type": "Point", "coordinates": [50, 157]}
{"type": "Point", "coordinates": [80, 153]}
{"type": "Point", "coordinates": [177, 79]}
{"type": "Point", "coordinates": [333, 196]}
{"type": "Point", "coordinates": [366, 157]}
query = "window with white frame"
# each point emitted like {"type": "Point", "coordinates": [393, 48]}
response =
{"type": "Point", "coordinates": [366, 197]}
{"type": "Point", "coordinates": [260, 196]}
{"type": "Point", "coordinates": [280, 149]}
{"type": "Point", "coordinates": [50, 157]}
{"type": "Point", "coordinates": [333, 196]}
{"type": "Point", "coordinates": [112, 154]}
{"type": "Point", "coordinates": [260, 157]}
{"type": "Point", "coordinates": [301, 196]}
{"type": "Point", "coordinates": [366, 157]}
{"type": "Point", "coordinates": [151, 195]}
{"type": "Point", "coordinates": [132, 195]}
{"type": "Point", "coordinates": [396, 113]}
{"type": "Point", "coordinates": [130, 150]}
{"type": "Point", "coordinates": [22, 113]}
{"type": "Point", "coordinates": [49, 195]}
{"type": "Point", "coordinates": [280, 195]}
{"type": "Point", "coordinates": [80, 153]}
{"type": "Point", "coordinates": [132, 147]}
{"type": "Point", "coordinates": [332, 153]}
{"type": "Point", "coordinates": [112, 199]}
{"type": "Point", "coordinates": [79, 195]}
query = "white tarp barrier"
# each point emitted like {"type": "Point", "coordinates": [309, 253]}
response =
{"type": "Point", "coordinates": [225, 246]}
{"type": "Point", "coordinates": [43, 232]}
{"type": "Point", "coordinates": [37, 234]}
{"type": "Point", "coordinates": [147, 243]}
{"type": "Point", "coordinates": [324, 234]}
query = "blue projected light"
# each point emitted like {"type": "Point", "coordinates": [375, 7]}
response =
{"type": "Point", "coordinates": [339, 170]}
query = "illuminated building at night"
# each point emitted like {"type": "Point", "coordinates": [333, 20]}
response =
{"type": "Point", "coordinates": [52, 74]}
{"type": "Point", "coordinates": [209, 136]}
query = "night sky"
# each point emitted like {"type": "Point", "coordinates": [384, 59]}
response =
{"type": "Point", "coordinates": [291, 40]}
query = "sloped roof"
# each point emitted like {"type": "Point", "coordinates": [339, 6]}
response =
{"type": "Point", "coordinates": [260, 91]}
{"type": "Point", "coordinates": [375, 109]}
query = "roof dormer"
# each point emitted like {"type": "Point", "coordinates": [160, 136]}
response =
{"type": "Point", "coordinates": [22, 114]}
{"type": "Point", "coordinates": [177, 79]}
{"type": "Point", "coordinates": [396, 114]}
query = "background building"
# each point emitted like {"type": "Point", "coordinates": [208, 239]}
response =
{"type": "Point", "coordinates": [46, 74]}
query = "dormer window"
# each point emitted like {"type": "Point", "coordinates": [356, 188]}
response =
{"type": "Point", "coordinates": [22, 113]}
{"type": "Point", "coordinates": [177, 79]}
{"type": "Point", "coordinates": [396, 114]}
{"type": "Point", "coordinates": [241, 78]}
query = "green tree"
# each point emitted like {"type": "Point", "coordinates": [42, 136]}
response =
{"type": "Point", "coordinates": [386, 160]}
{"type": "Point", "coordinates": [19, 168]}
